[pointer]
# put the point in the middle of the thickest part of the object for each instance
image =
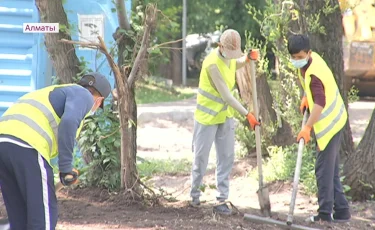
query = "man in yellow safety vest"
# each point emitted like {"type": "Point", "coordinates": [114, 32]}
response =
{"type": "Point", "coordinates": [40, 126]}
{"type": "Point", "coordinates": [214, 115]}
{"type": "Point", "coordinates": [328, 116]}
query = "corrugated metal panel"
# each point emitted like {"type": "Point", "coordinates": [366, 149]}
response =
{"type": "Point", "coordinates": [17, 51]}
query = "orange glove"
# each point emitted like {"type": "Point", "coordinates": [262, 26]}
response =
{"type": "Point", "coordinates": [304, 104]}
{"type": "Point", "coordinates": [252, 55]}
{"type": "Point", "coordinates": [305, 134]}
{"type": "Point", "coordinates": [252, 120]}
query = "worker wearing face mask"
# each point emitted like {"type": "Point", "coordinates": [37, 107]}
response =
{"type": "Point", "coordinates": [328, 117]}
{"type": "Point", "coordinates": [214, 115]}
{"type": "Point", "coordinates": [42, 125]}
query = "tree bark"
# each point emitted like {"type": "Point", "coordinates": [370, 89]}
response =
{"type": "Point", "coordinates": [359, 169]}
{"type": "Point", "coordinates": [330, 47]}
{"type": "Point", "coordinates": [63, 55]}
{"type": "Point", "coordinates": [121, 15]}
{"type": "Point", "coordinates": [283, 135]}
{"type": "Point", "coordinates": [176, 63]}
{"type": "Point", "coordinates": [127, 105]}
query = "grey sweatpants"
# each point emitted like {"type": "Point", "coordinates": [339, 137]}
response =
{"type": "Point", "coordinates": [203, 137]}
{"type": "Point", "coordinates": [330, 192]}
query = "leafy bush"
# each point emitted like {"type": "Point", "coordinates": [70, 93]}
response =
{"type": "Point", "coordinates": [353, 94]}
{"type": "Point", "coordinates": [282, 162]}
{"type": "Point", "coordinates": [100, 143]}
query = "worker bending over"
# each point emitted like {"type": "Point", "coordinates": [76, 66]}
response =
{"type": "Point", "coordinates": [40, 126]}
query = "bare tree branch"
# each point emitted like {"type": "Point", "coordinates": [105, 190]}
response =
{"type": "Point", "coordinates": [103, 49]}
{"type": "Point", "coordinates": [149, 25]}
{"type": "Point", "coordinates": [92, 45]}
{"type": "Point", "coordinates": [121, 15]}
{"type": "Point", "coordinates": [165, 43]}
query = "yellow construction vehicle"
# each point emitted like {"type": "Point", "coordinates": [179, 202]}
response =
{"type": "Point", "coordinates": [359, 44]}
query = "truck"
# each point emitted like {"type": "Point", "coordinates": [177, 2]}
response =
{"type": "Point", "coordinates": [359, 45]}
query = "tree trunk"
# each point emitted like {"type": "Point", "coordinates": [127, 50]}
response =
{"type": "Point", "coordinates": [176, 63]}
{"type": "Point", "coordinates": [63, 55]}
{"type": "Point", "coordinates": [330, 47]}
{"type": "Point", "coordinates": [360, 167]}
{"type": "Point", "coordinates": [283, 135]}
{"type": "Point", "coordinates": [127, 105]}
{"type": "Point", "coordinates": [129, 144]}
{"type": "Point", "coordinates": [128, 119]}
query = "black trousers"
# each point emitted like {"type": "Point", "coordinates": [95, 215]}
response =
{"type": "Point", "coordinates": [330, 192]}
{"type": "Point", "coordinates": [28, 189]}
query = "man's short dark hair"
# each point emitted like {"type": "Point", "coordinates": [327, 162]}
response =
{"type": "Point", "coordinates": [297, 43]}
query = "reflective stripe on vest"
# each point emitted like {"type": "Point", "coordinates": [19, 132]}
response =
{"type": "Point", "coordinates": [214, 98]}
{"type": "Point", "coordinates": [332, 124]}
{"type": "Point", "coordinates": [211, 109]}
{"type": "Point", "coordinates": [330, 108]}
{"type": "Point", "coordinates": [33, 124]}
{"type": "Point", "coordinates": [29, 122]}
{"type": "Point", "coordinates": [334, 115]}
{"type": "Point", "coordinates": [210, 96]}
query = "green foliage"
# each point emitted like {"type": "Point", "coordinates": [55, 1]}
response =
{"type": "Point", "coordinates": [203, 16]}
{"type": "Point", "coordinates": [244, 135]}
{"type": "Point", "coordinates": [353, 94]}
{"type": "Point", "coordinates": [100, 143]}
{"type": "Point", "coordinates": [284, 90]}
{"type": "Point", "coordinates": [282, 162]}
{"type": "Point", "coordinates": [82, 68]}
{"type": "Point", "coordinates": [274, 27]}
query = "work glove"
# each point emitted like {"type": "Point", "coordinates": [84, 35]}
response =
{"type": "Point", "coordinates": [252, 120]}
{"type": "Point", "coordinates": [305, 134]}
{"type": "Point", "coordinates": [253, 54]}
{"type": "Point", "coordinates": [304, 105]}
{"type": "Point", "coordinates": [69, 178]}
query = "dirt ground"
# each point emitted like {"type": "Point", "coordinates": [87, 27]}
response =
{"type": "Point", "coordinates": [90, 209]}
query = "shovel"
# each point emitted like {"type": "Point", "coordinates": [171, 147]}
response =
{"type": "Point", "coordinates": [297, 174]}
{"type": "Point", "coordinates": [263, 194]}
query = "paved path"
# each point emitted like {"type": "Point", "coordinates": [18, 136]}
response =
{"type": "Point", "coordinates": [182, 111]}
{"type": "Point", "coordinates": [359, 115]}
{"type": "Point", "coordinates": [178, 111]}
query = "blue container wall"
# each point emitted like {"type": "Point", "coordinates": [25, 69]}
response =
{"type": "Point", "coordinates": [22, 60]}
{"type": "Point", "coordinates": [74, 8]}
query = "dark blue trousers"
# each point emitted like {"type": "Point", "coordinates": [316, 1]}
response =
{"type": "Point", "coordinates": [28, 189]}
{"type": "Point", "coordinates": [331, 196]}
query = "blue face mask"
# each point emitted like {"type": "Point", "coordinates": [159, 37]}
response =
{"type": "Point", "coordinates": [299, 63]}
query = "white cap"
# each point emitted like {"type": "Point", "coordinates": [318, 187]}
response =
{"type": "Point", "coordinates": [231, 42]}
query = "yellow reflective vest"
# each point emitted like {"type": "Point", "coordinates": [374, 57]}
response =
{"type": "Point", "coordinates": [334, 115]}
{"type": "Point", "coordinates": [211, 108]}
{"type": "Point", "coordinates": [33, 120]}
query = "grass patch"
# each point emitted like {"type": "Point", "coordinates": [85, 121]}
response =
{"type": "Point", "coordinates": [280, 166]}
{"type": "Point", "coordinates": [149, 93]}
{"type": "Point", "coordinates": [151, 167]}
